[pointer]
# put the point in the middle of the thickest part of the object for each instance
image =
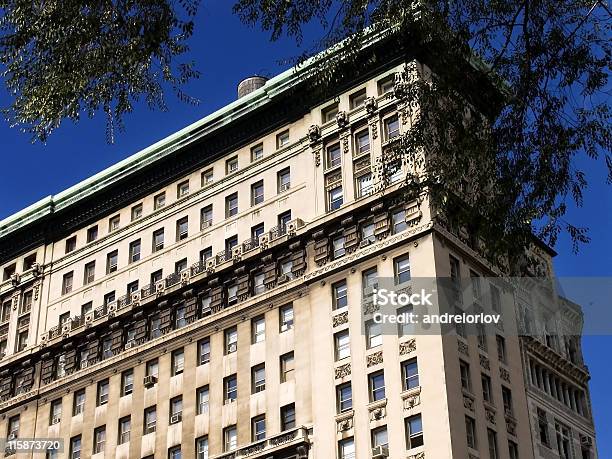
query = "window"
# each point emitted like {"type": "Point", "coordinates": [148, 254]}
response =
{"type": "Point", "coordinates": [13, 426]}
{"type": "Point", "coordinates": [75, 447]}
{"type": "Point", "coordinates": [22, 341]}
{"type": "Point", "coordinates": [329, 113]}
{"type": "Point", "coordinates": [135, 251]}
{"type": "Point", "coordinates": [334, 198]}
{"type": "Point", "coordinates": [342, 344]}
{"type": "Point", "coordinates": [258, 428]}
{"type": "Point", "coordinates": [176, 410]}
{"type": "Point", "coordinates": [492, 437]}
{"type": "Point", "coordinates": [178, 362]}
{"type": "Point", "coordinates": [507, 400]}
{"type": "Point", "coordinates": [286, 317]}
{"type": "Point", "coordinates": [391, 127]}
{"type": "Point", "coordinates": [476, 288]}
{"type": "Point", "coordinates": [150, 420]}
{"type": "Point", "coordinates": [205, 254]}
{"type": "Point", "coordinates": [513, 450]}
{"type": "Point", "coordinates": [136, 212]}
{"type": "Point", "coordinates": [70, 244]}
{"type": "Point", "coordinates": [179, 316]}
{"type": "Point", "coordinates": [55, 413]}
{"type": "Point", "coordinates": [410, 374]}
{"type": "Point", "coordinates": [6, 310]}
{"type": "Point", "coordinates": [287, 367]}
{"type": "Point", "coordinates": [231, 340]}
{"type": "Point", "coordinates": [257, 152]}
{"type": "Point", "coordinates": [284, 180]}
{"type": "Point", "coordinates": [401, 268]}
{"type": "Point", "coordinates": [344, 397]}
{"type": "Point", "coordinates": [182, 189]}
{"type": "Point", "coordinates": [466, 382]}
{"type": "Point", "coordinates": [127, 382]}
{"type": "Point", "coordinates": [399, 221]}
{"type": "Point", "coordinates": [284, 219]}
{"type": "Point", "coordinates": [282, 139]}
{"type": "Point", "coordinates": [258, 329]}
{"type": "Point", "coordinates": [9, 271]}
{"type": "Point", "coordinates": [495, 298]}
{"type": "Point", "coordinates": [207, 177]}
{"type": "Point", "coordinates": [333, 156]}
{"type": "Point", "coordinates": [175, 453]}
{"type": "Point", "coordinates": [203, 351]}
{"type": "Point", "coordinates": [107, 343]}
{"type": "Point", "coordinates": [111, 262]}
{"type": "Point", "coordinates": [67, 283]}
{"type": "Point", "coordinates": [231, 165]}
{"type": "Point", "coordinates": [159, 201]}
{"type": "Point", "coordinates": [230, 385]}
{"type": "Point", "coordinates": [92, 234]}
{"type": "Point", "coordinates": [257, 193]}
{"type": "Point", "coordinates": [89, 272]}
{"type": "Point", "coordinates": [257, 231]}
{"type": "Point", "coordinates": [99, 439]}
{"type": "Point", "coordinates": [113, 223]}
{"type": "Point", "coordinates": [158, 240]}
{"type": "Point", "coordinates": [182, 228]}
{"type": "Point", "coordinates": [152, 368]}
{"type": "Point", "coordinates": [180, 265]}
{"type": "Point", "coordinates": [414, 432]}
{"type": "Point", "coordinates": [339, 295]}
{"type": "Point", "coordinates": [373, 334]}
{"type": "Point", "coordinates": [470, 431]}
{"type": "Point", "coordinates": [487, 393]}
{"type": "Point", "coordinates": [346, 448]}
{"type": "Point", "coordinates": [501, 348]}
{"type": "Point", "coordinates": [338, 247]}
{"type": "Point", "coordinates": [376, 384]}
{"type": "Point", "coordinates": [206, 217]}
{"type": "Point", "coordinates": [543, 427]}
{"type": "Point", "coordinates": [380, 437]}
{"type": "Point", "coordinates": [287, 417]}
{"type": "Point", "coordinates": [203, 399]}
{"type": "Point", "coordinates": [202, 448]}
{"type": "Point", "coordinates": [364, 184]}
{"type": "Point", "coordinates": [231, 205]}
{"type": "Point", "coordinates": [357, 99]}
{"type": "Point", "coordinates": [369, 280]}
{"type": "Point", "coordinates": [102, 396]}
{"type": "Point", "coordinates": [362, 142]}
{"type": "Point", "coordinates": [78, 405]}
{"type": "Point", "coordinates": [230, 438]}
{"type": "Point", "coordinates": [258, 378]}
{"type": "Point", "coordinates": [124, 430]}
{"type": "Point", "coordinates": [385, 85]}
{"type": "Point", "coordinates": [132, 287]}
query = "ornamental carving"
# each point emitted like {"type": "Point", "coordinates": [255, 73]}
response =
{"type": "Point", "coordinates": [420, 455]}
{"type": "Point", "coordinates": [412, 399]}
{"type": "Point", "coordinates": [342, 119]}
{"type": "Point", "coordinates": [378, 410]}
{"type": "Point", "coordinates": [407, 347]}
{"type": "Point", "coordinates": [504, 374]}
{"type": "Point", "coordinates": [343, 371]}
{"type": "Point", "coordinates": [490, 415]}
{"type": "Point", "coordinates": [468, 401]}
{"type": "Point", "coordinates": [344, 141]}
{"type": "Point", "coordinates": [344, 423]}
{"type": "Point", "coordinates": [316, 152]}
{"type": "Point", "coordinates": [484, 362]}
{"type": "Point", "coordinates": [340, 319]}
{"type": "Point", "coordinates": [374, 359]}
{"type": "Point", "coordinates": [373, 122]}
{"type": "Point", "coordinates": [371, 105]}
{"type": "Point", "coordinates": [369, 307]}
{"type": "Point", "coordinates": [463, 347]}
{"type": "Point", "coordinates": [510, 425]}
{"type": "Point", "coordinates": [314, 133]}
{"type": "Point", "coordinates": [36, 289]}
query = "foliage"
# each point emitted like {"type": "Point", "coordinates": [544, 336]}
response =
{"type": "Point", "coordinates": [63, 58]}
{"type": "Point", "coordinates": [502, 138]}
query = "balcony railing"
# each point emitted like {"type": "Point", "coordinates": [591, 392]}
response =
{"type": "Point", "coordinates": [265, 448]}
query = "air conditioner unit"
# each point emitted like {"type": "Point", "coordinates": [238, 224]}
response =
{"type": "Point", "coordinates": [284, 187]}
{"type": "Point", "coordinates": [84, 364]}
{"type": "Point", "coordinates": [130, 344]}
{"type": "Point", "coordinates": [55, 420]}
{"type": "Point", "coordinates": [128, 389]}
{"type": "Point", "coordinates": [149, 381]}
{"type": "Point", "coordinates": [12, 436]}
{"type": "Point", "coordinates": [232, 347]}
{"type": "Point", "coordinates": [206, 224]}
{"type": "Point", "coordinates": [282, 279]}
{"type": "Point", "coordinates": [380, 452]}
{"type": "Point", "coordinates": [366, 242]}
{"type": "Point", "coordinates": [586, 441]}
{"type": "Point", "coordinates": [176, 418]}
{"type": "Point", "coordinates": [150, 429]}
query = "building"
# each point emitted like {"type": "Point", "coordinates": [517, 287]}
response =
{"type": "Point", "coordinates": [204, 298]}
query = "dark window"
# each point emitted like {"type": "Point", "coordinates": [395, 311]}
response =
{"type": "Point", "coordinates": [344, 397]}
{"type": "Point", "coordinates": [287, 417]}
{"type": "Point", "coordinates": [376, 382]}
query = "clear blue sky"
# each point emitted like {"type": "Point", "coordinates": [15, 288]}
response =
{"type": "Point", "coordinates": [227, 51]}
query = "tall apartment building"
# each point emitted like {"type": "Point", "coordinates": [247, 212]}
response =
{"type": "Point", "coordinates": [205, 298]}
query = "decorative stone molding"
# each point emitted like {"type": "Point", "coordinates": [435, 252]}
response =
{"type": "Point", "coordinates": [420, 455]}
{"type": "Point", "coordinates": [15, 279]}
{"type": "Point", "coordinates": [344, 422]}
{"type": "Point", "coordinates": [468, 401]}
{"type": "Point", "coordinates": [15, 299]}
{"type": "Point", "coordinates": [378, 410]}
{"type": "Point", "coordinates": [510, 425]}
{"type": "Point", "coordinates": [373, 123]}
{"type": "Point", "coordinates": [340, 319]}
{"type": "Point", "coordinates": [369, 307]}
{"type": "Point", "coordinates": [344, 141]}
{"type": "Point", "coordinates": [411, 398]}
{"type": "Point", "coordinates": [463, 347]}
{"type": "Point", "coordinates": [484, 362]}
{"type": "Point", "coordinates": [343, 371]}
{"type": "Point", "coordinates": [407, 347]}
{"type": "Point", "coordinates": [504, 374]}
{"type": "Point", "coordinates": [314, 133]}
{"type": "Point", "coordinates": [36, 289]}
{"type": "Point", "coordinates": [342, 119]}
{"type": "Point", "coordinates": [374, 359]}
{"type": "Point", "coordinates": [490, 415]}
{"type": "Point", "coordinates": [371, 105]}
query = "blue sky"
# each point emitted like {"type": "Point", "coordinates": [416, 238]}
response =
{"type": "Point", "coordinates": [227, 51]}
